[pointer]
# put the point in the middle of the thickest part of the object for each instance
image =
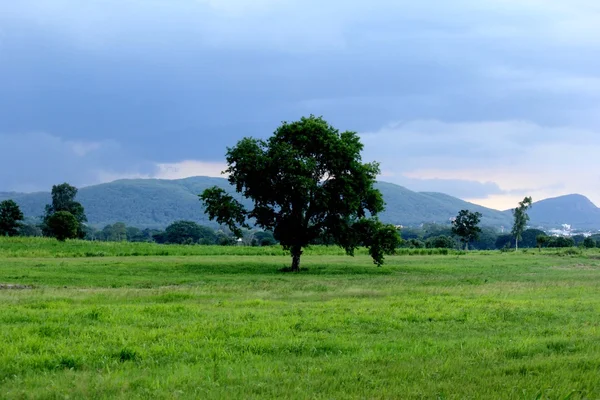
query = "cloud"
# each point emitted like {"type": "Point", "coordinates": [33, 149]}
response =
{"type": "Point", "coordinates": [35, 161]}
{"type": "Point", "coordinates": [491, 163]}
{"type": "Point", "coordinates": [189, 168]}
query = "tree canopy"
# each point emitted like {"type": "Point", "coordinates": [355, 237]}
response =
{"type": "Point", "coordinates": [466, 226]}
{"type": "Point", "coordinates": [10, 218]}
{"type": "Point", "coordinates": [305, 182]}
{"type": "Point", "coordinates": [63, 200]}
{"type": "Point", "coordinates": [63, 225]}
{"type": "Point", "coordinates": [520, 219]}
{"type": "Point", "coordinates": [189, 232]}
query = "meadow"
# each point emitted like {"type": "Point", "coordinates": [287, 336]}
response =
{"type": "Point", "coordinates": [126, 320]}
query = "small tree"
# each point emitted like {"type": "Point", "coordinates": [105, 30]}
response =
{"type": "Point", "coordinates": [306, 182]}
{"type": "Point", "coordinates": [465, 226]}
{"type": "Point", "coordinates": [63, 225]}
{"type": "Point", "coordinates": [10, 218]}
{"type": "Point", "coordinates": [63, 199]}
{"type": "Point", "coordinates": [521, 219]}
{"type": "Point", "coordinates": [542, 241]}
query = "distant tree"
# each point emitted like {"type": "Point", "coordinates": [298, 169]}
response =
{"type": "Point", "coordinates": [148, 234]}
{"type": "Point", "coordinates": [119, 231]}
{"type": "Point", "coordinates": [440, 242]}
{"type": "Point", "coordinates": [589, 243]}
{"type": "Point", "coordinates": [189, 232]}
{"type": "Point", "coordinates": [10, 218]}
{"type": "Point", "coordinates": [561, 241]}
{"type": "Point", "coordinates": [30, 230]}
{"type": "Point", "coordinates": [578, 239]}
{"type": "Point", "coordinates": [542, 240]}
{"type": "Point", "coordinates": [134, 234]}
{"type": "Point", "coordinates": [159, 237]}
{"type": "Point", "coordinates": [63, 200]}
{"type": "Point", "coordinates": [486, 240]}
{"type": "Point", "coordinates": [91, 233]}
{"type": "Point", "coordinates": [435, 230]}
{"type": "Point", "coordinates": [504, 241]}
{"type": "Point", "coordinates": [408, 233]}
{"type": "Point", "coordinates": [466, 226]}
{"type": "Point", "coordinates": [265, 238]}
{"type": "Point", "coordinates": [63, 225]}
{"type": "Point", "coordinates": [520, 219]}
{"type": "Point", "coordinates": [529, 238]}
{"type": "Point", "coordinates": [306, 181]}
{"type": "Point", "coordinates": [414, 244]}
{"type": "Point", "coordinates": [223, 239]}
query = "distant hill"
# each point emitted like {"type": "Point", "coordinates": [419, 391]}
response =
{"type": "Point", "coordinates": [574, 209]}
{"type": "Point", "coordinates": [405, 207]}
{"type": "Point", "coordinates": [156, 203]}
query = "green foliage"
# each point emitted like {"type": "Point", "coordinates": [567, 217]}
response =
{"type": "Point", "coordinates": [529, 238]}
{"type": "Point", "coordinates": [466, 226]}
{"type": "Point", "coordinates": [226, 210]}
{"type": "Point", "coordinates": [486, 240]}
{"type": "Point", "coordinates": [306, 182]}
{"type": "Point", "coordinates": [414, 244]}
{"type": "Point", "coordinates": [30, 230]}
{"type": "Point", "coordinates": [63, 225]}
{"type": "Point", "coordinates": [189, 232]}
{"type": "Point", "coordinates": [265, 238]}
{"type": "Point", "coordinates": [440, 242]}
{"type": "Point", "coordinates": [561, 242]}
{"type": "Point", "coordinates": [589, 243]}
{"type": "Point", "coordinates": [520, 219]}
{"type": "Point", "coordinates": [63, 200]}
{"type": "Point", "coordinates": [542, 240]}
{"type": "Point", "coordinates": [10, 218]}
{"type": "Point", "coordinates": [578, 239]}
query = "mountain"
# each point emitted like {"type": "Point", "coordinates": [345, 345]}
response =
{"type": "Point", "coordinates": [574, 209]}
{"type": "Point", "coordinates": [405, 207]}
{"type": "Point", "coordinates": [157, 203]}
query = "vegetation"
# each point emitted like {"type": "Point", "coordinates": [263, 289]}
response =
{"type": "Point", "coordinates": [62, 225]}
{"type": "Point", "coordinates": [10, 218]}
{"type": "Point", "coordinates": [57, 222]}
{"type": "Point", "coordinates": [520, 220]}
{"type": "Point", "coordinates": [307, 181]}
{"type": "Point", "coordinates": [466, 226]}
{"type": "Point", "coordinates": [483, 325]}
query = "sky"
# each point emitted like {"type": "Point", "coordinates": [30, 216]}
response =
{"type": "Point", "coordinates": [489, 101]}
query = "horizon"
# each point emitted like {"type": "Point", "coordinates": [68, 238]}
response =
{"type": "Point", "coordinates": [494, 104]}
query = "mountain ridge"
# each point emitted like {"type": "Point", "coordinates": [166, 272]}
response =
{"type": "Point", "coordinates": [158, 202]}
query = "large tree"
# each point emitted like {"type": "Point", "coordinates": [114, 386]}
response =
{"type": "Point", "coordinates": [63, 225]}
{"type": "Point", "coordinates": [521, 218]}
{"type": "Point", "coordinates": [10, 218]}
{"type": "Point", "coordinates": [307, 181]}
{"type": "Point", "coordinates": [63, 200]}
{"type": "Point", "coordinates": [466, 226]}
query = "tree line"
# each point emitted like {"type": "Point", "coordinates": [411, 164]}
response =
{"type": "Point", "coordinates": [65, 219]}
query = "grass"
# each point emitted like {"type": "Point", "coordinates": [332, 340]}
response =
{"type": "Point", "coordinates": [481, 325]}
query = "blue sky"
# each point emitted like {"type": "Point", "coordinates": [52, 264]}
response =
{"type": "Point", "coordinates": [489, 101]}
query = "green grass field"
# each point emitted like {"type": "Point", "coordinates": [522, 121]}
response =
{"type": "Point", "coordinates": [97, 320]}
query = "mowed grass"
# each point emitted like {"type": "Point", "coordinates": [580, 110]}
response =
{"type": "Point", "coordinates": [481, 325]}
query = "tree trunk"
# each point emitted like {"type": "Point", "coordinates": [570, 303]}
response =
{"type": "Point", "coordinates": [516, 244]}
{"type": "Point", "coordinates": [466, 246]}
{"type": "Point", "coordinates": [296, 253]}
